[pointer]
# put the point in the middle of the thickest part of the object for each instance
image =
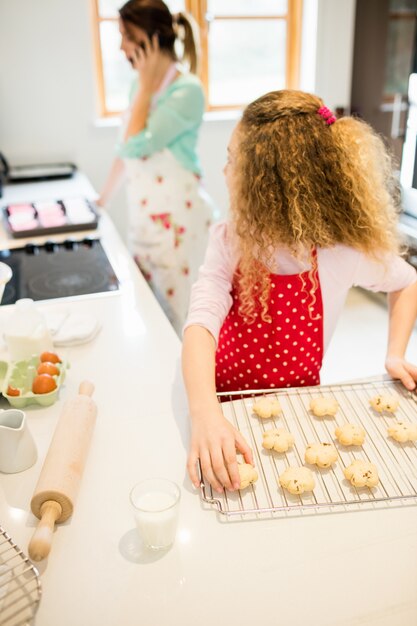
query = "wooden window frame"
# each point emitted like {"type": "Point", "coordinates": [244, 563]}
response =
{"type": "Point", "coordinates": [198, 9]}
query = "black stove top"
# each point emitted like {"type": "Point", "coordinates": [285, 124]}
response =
{"type": "Point", "coordinates": [58, 270]}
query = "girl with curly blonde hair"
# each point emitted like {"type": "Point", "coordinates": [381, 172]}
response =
{"type": "Point", "coordinates": [313, 212]}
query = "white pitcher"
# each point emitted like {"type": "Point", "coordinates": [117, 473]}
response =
{"type": "Point", "coordinates": [5, 276]}
{"type": "Point", "coordinates": [17, 448]}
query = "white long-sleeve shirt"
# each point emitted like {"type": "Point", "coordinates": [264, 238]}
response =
{"type": "Point", "coordinates": [339, 268]}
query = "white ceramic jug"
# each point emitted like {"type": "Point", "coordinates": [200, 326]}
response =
{"type": "Point", "coordinates": [17, 448]}
{"type": "Point", "coordinates": [5, 276]}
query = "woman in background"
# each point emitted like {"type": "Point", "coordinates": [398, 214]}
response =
{"type": "Point", "coordinates": [168, 211]}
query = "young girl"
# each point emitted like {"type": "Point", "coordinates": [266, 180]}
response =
{"type": "Point", "coordinates": [313, 212]}
{"type": "Point", "coordinates": [168, 210]}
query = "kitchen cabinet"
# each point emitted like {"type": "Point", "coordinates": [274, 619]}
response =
{"type": "Point", "coordinates": [335, 570]}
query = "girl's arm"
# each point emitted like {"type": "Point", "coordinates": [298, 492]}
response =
{"type": "Point", "coordinates": [113, 182]}
{"type": "Point", "coordinates": [402, 316]}
{"type": "Point", "coordinates": [214, 440]}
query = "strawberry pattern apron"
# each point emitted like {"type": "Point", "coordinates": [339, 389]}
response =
{"type": "Point", "coordinates": [287, 352]}
{"type": "Point", "coordinates": [169, 215]}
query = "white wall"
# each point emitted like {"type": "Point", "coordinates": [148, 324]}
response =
{"type": "Point", "coordinates": [48, 92]}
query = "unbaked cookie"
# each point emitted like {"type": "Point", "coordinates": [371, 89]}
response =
{"type": "Point", "coordinates": [385, 402]}
{"type": "Point", "coordinates": [362, 473]}
{"type": "Point", "coordinates": [267, 406]}
{"type": "Point", "coordinates": [403, 431]}
{"type": "Point", "coordinates": [350, 435]}
{"type": "Point", "coordinates": [324, 405]}
{"type": "Point", "coordinates": [277, 439]}
{"type": "Point", "coordinates": [297, 480]}
{"type": "Point", "coordinates": [320, 454]}
{"type": "Point", "coordinates": [248, 475]}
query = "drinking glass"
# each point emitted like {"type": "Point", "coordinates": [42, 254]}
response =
{"type": "Point", "coordinates": [155, 504]}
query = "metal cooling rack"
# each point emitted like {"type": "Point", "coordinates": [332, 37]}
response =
{"type": "Point", "coordinates": [396, 463]}
{"type": "Point", "coordinates": [20, 587]}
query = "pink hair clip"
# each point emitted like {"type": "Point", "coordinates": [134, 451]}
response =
{"type": "Point", "coordinates": [327, 115]}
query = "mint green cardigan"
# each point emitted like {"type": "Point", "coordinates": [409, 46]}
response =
{"type": "Point", "coordinates": [173, 124]}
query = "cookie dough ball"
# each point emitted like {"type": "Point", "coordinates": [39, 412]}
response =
{"type": "Point", "coordinates": [320, 454]}
{"type": "Point", "coordinates": [350, 435]}
{"type": "Point", "coordinates": [248, 475]}
{"type": "Point", "coordinates": [362, 473]}
{"type": "Point", "coordinates": [385, 402]}
{"type": "Point", "coordinates": [403, 432]}
{"type": "Point", "coordinates": [324, 406]}
{"type": "Point", "coordinates": [277, 439]}
{"type": "Point", "coordinates": [297, 480]}
{"type": "Point", "coordinates": [267, 407]}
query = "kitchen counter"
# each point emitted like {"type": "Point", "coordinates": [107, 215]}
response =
{"type": "Point", "coordinates": [334, 570]}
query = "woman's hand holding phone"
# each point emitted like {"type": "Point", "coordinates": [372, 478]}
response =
{"type": "Point", "coordinates": [147, 61]}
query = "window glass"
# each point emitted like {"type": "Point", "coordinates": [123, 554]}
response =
{"type": "Point", "coordinates": [399, 55]}
{"type": "Point", "coordinates": [118, 73]}
{"type": "Point", "coordinates": [246, 59]}
{"type": "Point", "coordinates": [247, 7]}
{"type": "Point", "coordinates": [175, 5]}
{"type": "Point", "coordinates": [403, 5]}
{"type": "Point", "coordinates": [110, 8]}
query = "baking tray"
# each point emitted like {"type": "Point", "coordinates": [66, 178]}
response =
{"type": "Point", "coordinates": [36, 173]}
{"type": "Point", "coordinates": [38, 230]}
{"type": "Point", "coordinates": [396, 463]}
{"type": "Point", "coordinates": [20, 587]}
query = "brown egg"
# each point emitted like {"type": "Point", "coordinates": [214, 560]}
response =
{"type": "Point", "coordinates": [12, 391]}
{"type": "Point", "coordinates": [43, 383]}
{"type": "Point", "coordinates": [48, 368]}
{"type": "Point", "coordinates": [49, 357]}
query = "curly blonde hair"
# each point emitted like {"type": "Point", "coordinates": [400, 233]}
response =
{"type": "Point", "coordinates": [302, 183]}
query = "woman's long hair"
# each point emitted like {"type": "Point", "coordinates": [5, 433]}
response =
{"type": "Point", "coordinates": [303, 183]}
{"type": "Point", "coordinates": [153, 16]}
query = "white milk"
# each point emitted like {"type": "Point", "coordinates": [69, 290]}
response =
{"type": "Point", "coordinates": [156, 518]}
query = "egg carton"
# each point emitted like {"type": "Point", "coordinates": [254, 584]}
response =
{"type": "Point", "coordinates": [20, 374]}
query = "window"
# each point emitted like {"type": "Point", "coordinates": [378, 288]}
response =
{"type": "Point", "coordinates": [248, 48]}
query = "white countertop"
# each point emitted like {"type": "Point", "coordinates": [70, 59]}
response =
{"type": "Point", "coordinates": [333, 570]}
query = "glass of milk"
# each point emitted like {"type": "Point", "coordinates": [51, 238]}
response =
{"type": "Point", "coordinates": [155, 504]}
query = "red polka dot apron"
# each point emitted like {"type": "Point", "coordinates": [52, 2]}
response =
{"type": "Point", "coordinates": [287, 352]}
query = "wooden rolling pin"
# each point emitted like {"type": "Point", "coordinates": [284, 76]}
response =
{"type": "Point", "coordinates": [55, 494]}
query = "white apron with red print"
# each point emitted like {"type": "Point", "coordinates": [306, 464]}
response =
{"type": "Point", "coordinates": [169, 215]}
{"type": "Point", "coordinates": [287, 352]}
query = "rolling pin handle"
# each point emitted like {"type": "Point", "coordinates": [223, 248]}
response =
{"type": "Point", "coordinates": [86, 388]}
{"type": "Point", "coordinates": [41, 541]}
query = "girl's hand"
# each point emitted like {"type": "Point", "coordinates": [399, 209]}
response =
{"type": "Point", "coordinates": [147, 61]}
{"type": "Point", "coordinates": [214, 441]}
{"type": "Point", "coordinates": [400, 369]}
